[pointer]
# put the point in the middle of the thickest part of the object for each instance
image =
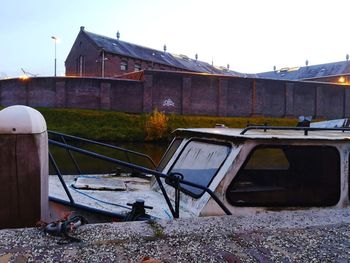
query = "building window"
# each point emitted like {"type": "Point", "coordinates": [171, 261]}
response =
{"type": "Point", "coordinates": [198, 163]}
{"type": "Point", "coordinates": [80, 66]}
{"type": "Point", "coordinates": [137, 67]}
{"type": "Point", "coordinates": [287, 176]}
{"type": "Point", "coordinates": [123, 65]}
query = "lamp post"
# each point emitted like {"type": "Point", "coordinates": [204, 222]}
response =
{"type": "Point", "coordinates": [55, 39]}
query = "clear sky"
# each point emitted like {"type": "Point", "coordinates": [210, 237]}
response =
{"type": "Point", "coordinates": [250, 35]}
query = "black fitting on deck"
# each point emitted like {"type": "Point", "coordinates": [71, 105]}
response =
{"type": "Point", "coordinates": [138, 211]}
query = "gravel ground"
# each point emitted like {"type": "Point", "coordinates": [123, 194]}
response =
{"type": "Point", "coordinates": [293, 236]}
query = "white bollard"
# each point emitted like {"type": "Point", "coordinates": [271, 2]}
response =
{"type": "Point", "coordinates": [23, 167]}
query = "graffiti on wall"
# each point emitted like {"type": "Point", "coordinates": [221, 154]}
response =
{"type": "Point", "coordinates": [168, 103]}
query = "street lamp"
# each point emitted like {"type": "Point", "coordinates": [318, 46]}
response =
{"type": "Point", "coordinates": [55, 39]}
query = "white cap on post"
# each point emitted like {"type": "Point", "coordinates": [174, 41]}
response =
{"type": "Point", "coordinates": [21, 119]}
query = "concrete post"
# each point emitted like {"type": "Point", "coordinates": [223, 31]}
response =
{"type": "Point", "coordinates": [24, 167]}
{"type": "Point", "coordinates": [346, 102]}
{"type": "Point", "coordinates": [289, 100]}
{"type": "Point", "coordinates": [105, 96]}
{"type": "Point", "coordinates": [257, 99]}
{"type": "Point", "coordinates": [186, 95]}
{"type": "Point", "coordinates": [147, 92]}
{"type": "Point", "coordinates": [26, 90]}
{"type": "Point", "coordinates": [61, 94]}
{"type": "Point", "coordinates": [222, 97]}
{"type": "Point", "coordinates": [318, 102]}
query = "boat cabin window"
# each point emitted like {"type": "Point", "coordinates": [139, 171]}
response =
{"type": "Point", "coordinates": [287, 176]}
{"type": "Point", "coordinates": [199, 162]}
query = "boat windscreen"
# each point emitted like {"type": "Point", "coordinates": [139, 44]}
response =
{"type": "Point", "coordinates": [199, 162]}
{"type": "Point", "coordinates": [169, 153]}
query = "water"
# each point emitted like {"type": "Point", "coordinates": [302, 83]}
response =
{"type": "Point", "coordinates": [90, 165]}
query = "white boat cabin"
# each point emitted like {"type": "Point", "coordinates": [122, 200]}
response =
{"type": "Point", "coordinates": [260, 169]}
{"type": "Point", "coordinates": [250, 171]}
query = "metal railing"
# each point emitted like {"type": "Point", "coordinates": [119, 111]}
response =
{"type": "Point", "coordinates": [63, 137]}
{"type": "Point", "coordinates": [158, 175]}
{"type": "Point", "coordinates": [283, 128]}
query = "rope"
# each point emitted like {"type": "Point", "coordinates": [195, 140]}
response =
{"type": "Point", "coordinates": [98, 200]}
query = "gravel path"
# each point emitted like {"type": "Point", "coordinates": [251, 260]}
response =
{"type": "Point", "coordinates": [293, 236]}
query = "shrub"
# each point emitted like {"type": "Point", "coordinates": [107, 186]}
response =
{"type": "Point", "coordinates": [156, 125]}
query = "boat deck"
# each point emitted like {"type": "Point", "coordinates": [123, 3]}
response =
{"type": "Point", "coordinates": [129, 189]}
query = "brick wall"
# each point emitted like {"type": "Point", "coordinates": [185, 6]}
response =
{"type": "Point", "coordinates": [197, 94]}
{"type": "Point", "coordinates": [81, 93]}
{"type": "Point", "coordinates": [182, 93]}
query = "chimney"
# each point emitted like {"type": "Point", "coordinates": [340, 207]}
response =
{"type": "Point", "coordinates": [164, 48]}
{"type": "Point", "coordinates": [118, 35]}
{"type": "Point", "coordinates": [82, 28]}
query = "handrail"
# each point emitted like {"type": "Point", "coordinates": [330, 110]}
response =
{"type": "Point", "coordinates": [59, 174]}
{"type": "Point", "coordinates": [285, 128]}
{"type": "Point", "coordinates": [71, 156]}
{"type": "Point", "coordinates": [105, 145]}
{"type": "Point", "coordinates": [157, 174]}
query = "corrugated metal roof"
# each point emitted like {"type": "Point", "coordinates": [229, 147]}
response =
{"type": "Point", "coordinates": [309, 72]}
{"type": "Point", "coordinates": [117, 46]}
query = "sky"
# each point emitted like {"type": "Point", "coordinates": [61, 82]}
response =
{"type": "Point", "coordinates": [250, 35]}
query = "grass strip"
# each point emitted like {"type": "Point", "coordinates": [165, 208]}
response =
{"type": "Point", "coordinates": [116, 126]}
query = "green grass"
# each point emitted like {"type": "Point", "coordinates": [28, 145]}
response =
{"type": "Point", "coordinates": [98, 125]}
{"type": "Point", "coordinates": [116, 126]}
{"type": "Point", "coordinates": [178, 121]}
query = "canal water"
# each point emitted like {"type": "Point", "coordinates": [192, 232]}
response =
{"type": "Point", "coordinates": [90, 165]}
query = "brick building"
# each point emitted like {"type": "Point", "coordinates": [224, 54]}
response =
{"type": "Point", "coordinates": [94, 55]}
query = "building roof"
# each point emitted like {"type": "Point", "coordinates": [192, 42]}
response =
{"type": "Point", "coordinates": [116, 46]}
{"type": "Point", "coordinates": [309, 72]}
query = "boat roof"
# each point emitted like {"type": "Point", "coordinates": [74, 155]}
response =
{"type": "Point", "coordinates": [268, 132]}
